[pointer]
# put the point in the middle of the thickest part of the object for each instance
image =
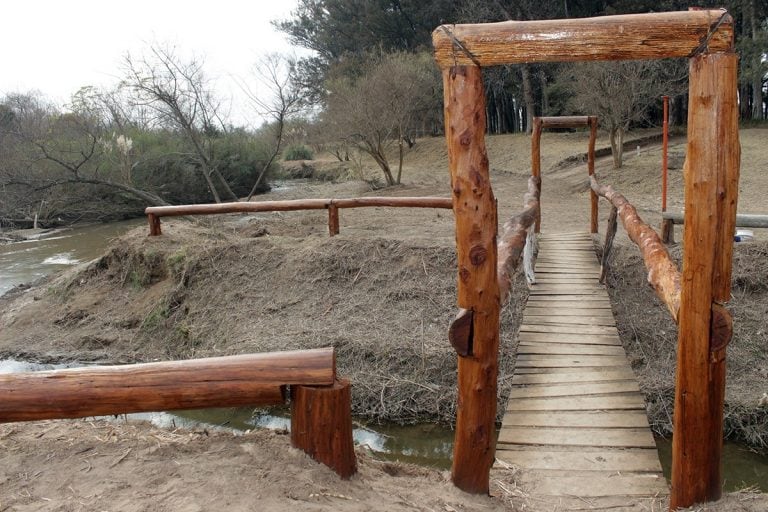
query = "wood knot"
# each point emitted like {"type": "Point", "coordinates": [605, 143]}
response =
{"type": "Point", "coordinates": [464, 274]}
{"type": "Point", "coordinates": [465, 138]}
{"type": "Point", "coordinates": [478, 255]}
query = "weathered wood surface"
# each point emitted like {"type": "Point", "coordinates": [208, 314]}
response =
{"type": "Point", "coordinates": [297, 204]}
{"type": "Point", "coordinates": [663, 274]}
{"type": "Point", "coordinates": [514, 237]}
{"type": "Point", "coordinates": [478, 288]}
{"type": "Point", "coordinates": [711, 191]}
{"type": "Point", "coordinates": [321, 425]}
{"type": "Point", "coordinates": [564, 121]}
{"type": "Point", "coordinates": [610, 233]}
{"type": "Point", "coordinates": [635, 37]}
{"type": "Point", "coordinates": [575, 409]}
{"type": "Point", "coordinates": [743, 220]}
{"type": "Point", "coordinates": [255, 379]}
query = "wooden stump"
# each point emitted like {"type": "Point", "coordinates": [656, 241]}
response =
{"type": "Point", "coordinates": [321, 425]}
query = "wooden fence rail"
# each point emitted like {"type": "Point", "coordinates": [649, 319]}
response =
{"type": "Point", "coordinates": [663, 274]}
{"type": "Point", "coordinates": [332, 205]}
{"type": "Point", "coordinates": [252, 380]}
{"type": "Point", "coordinates": [669, 219]}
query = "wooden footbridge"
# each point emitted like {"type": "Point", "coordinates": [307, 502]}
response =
{"type": "Point", "coordinates": [575, 424]}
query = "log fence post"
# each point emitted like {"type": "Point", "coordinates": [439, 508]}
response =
{"type": "Point", "coordinates": [536, 163]}
{"type": "Point", "coordinates": [711, 191]}
{"type": "Point", "coordinates": [610, 233]}
{"type": "Point", "coordinates": [333, 219]}
{"type": "Point", "coordinates": [593, 199]}
{"type": "Point", "coordinates": [476, 219]}
{"type": "Point", "coordinates": [321, 425]}
{"type": "Point", "coordinates": [154, 225]}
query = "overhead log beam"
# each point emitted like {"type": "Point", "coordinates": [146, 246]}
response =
{"type": "Point", "coordinates": [663, 274]}
{"type": "Point", "coordinates": [626, 37]}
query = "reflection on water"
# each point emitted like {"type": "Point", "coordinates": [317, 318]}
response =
{"type": "Point", "coordinates": [29, 260]}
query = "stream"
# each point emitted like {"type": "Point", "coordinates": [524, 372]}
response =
{"type": "Point", "coordinates": [425, 444]}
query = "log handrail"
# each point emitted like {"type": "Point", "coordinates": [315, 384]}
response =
{"type": "Point", "coordinates": [631, 36]}
{"type": "Point", "coordinates": [743, 220]}
{"type": "Point", "coordinates": [332, 205]}
{"type": "Point", "coordinates": [252, 379]}
{"type": "Point", "coordinates": [663, 275]}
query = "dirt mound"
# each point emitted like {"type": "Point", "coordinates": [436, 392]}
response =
{"type": "Point", "coordinates": [383, 303]}
{"type": "Point", "coordinates": [650, 337]}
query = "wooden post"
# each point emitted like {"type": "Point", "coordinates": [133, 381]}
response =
{"type": "Point", "coordinates": [474, 208]}
{"type": "Point", "coordinates": [593, 199]}
{"type": "Point", "coordinates": [610, 233]}
{"type": "Point", "coordinates": [154, 224]}
{"type": "Point", "coordinates": [321, 425]}
{"type": "Point", "coordinates": [711, 191]}
{"type": "Point", "coordinates": [536, 163]}
{"type": "Point", "coordinates": [333, 219]}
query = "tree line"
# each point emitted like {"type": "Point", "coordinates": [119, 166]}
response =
{"type": "Point", "coordinates": [162, 134]}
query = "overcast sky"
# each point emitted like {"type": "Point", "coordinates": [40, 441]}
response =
{"type": "Point", "coordinates": [58, 46]}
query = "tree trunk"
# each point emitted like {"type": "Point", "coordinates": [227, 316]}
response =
{"type": "Point", "coordinates": [227, 188]}
{"type": "Point", "coordinates": [211, 186]}
{"type": "Point", "coordinates": [530, 103]}
{"type": "Point", "coordinates": [617, 146]}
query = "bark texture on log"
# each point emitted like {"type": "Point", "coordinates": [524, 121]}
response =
{"type": "Point", "coordinates": [254, 379]}
{"type": "Point", "coordinates": [476, 223]}
{"type": "Point", "coordinates": [321, 425]}
{"type": "Point", "coordinates": [711, 191]}
{"type": "Point", "coordinates": [154, 225]}
{"type": "Point", "coordinates": [663, 275]}
{"type": "Point", "coordinates": [514, 236]}
{"type": "Point", "coordinates": [633, 37]}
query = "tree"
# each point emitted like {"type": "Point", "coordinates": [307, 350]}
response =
{"type": "Point", "coordinates": [181, 97]}
{"type": "Point", "coordinates": [47, 149]}
{"type": "Point", "coordinates": [621, 93]}
{"type": "Point", "coordinates": [381, 108]}
{"type": "Point", "coordinates": [277, 76]}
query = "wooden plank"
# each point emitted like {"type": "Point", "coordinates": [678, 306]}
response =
{"type": "Point", "coordinates": [604, 321]}
{"type": "Point", "coordinates": [602, 437]}
{"type": "Point", "coordinates": [573, 389]}
{"type": "Point", "coordinates": [586, 339]}
{"type": "Point", "coordinates": [637, 460]}
{"type": "Point", "coordinates": [548, 291]}
{"type": "Point", "coordinates": [569, 329]}
{"type": "Point", "coordinates": [583, 403]}
{"type": "Point", "coordinates": [616, 374]}
{"type": "Point", "coordinates": [561, 303]}
{"type": "Point", "coordinates": [615, 419]}
{"type": "Point", "coordinates": [563, 369]}
{"type": "Point", "coordinates": [589, 485]}
{"type": "Point", "coordinates": [577, 312]}
{"type": "Point", "coordinates": [569, 349]}
{"type": "Point", "coordinates": [525, 361]}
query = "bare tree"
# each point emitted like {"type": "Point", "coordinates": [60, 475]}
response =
{"type": "Point", "coordinates": [179, 94]}
{"type": "Point", "coordinates": [54, 149]}
{"type": "Point", "coordinates": [381, 107]}
{"type": "Point", "coordinates": [621, 93]}
{"type": "Point", "coordinates": [276, 79]}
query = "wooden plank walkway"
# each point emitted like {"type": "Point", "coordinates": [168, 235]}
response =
{"type": "Point", "coordinates": [575, 427]}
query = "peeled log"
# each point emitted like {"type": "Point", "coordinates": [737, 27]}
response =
{"type": "Point", "coordinates": [254, 379]}
{"type": "Point", "coordinates": [663, 274]}
{"type": "Point", "coordinates": [513, 239]}
{"type": "Point", "coordinates": [633, 36]}
{"type": "Point", "coordinates": [321, 425]}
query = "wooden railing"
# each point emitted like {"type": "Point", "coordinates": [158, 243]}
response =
{"type": "Point", "coordinates": [332, 205]}
{"type": "Point", "coordinates": [669, 219]}
{"type": "Point", "coordinates": [321, 421]}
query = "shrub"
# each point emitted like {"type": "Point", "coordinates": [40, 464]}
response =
{"type": "Point", "coordinates": [298, 152]}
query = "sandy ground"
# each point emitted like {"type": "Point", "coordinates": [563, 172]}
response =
{"type": "Point", "coordinates": [84, 465]}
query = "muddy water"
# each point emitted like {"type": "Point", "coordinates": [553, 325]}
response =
{"type": "Point", "coordinates": [27, 261]}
